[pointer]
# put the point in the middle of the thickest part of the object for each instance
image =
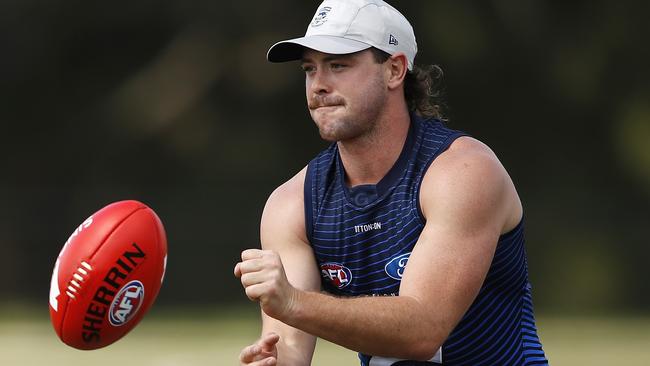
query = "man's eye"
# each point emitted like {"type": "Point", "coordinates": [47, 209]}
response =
{"type": "Point", "coordinates": [307, 68]}
{"type": "Point", "coordinates": [337, 66]}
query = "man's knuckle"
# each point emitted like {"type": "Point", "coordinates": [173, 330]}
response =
{"type": "Point", "coordinates": [251, 293]}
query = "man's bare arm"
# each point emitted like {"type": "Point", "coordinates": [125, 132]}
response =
{"type": "Point", "coordinates": [283, 233]}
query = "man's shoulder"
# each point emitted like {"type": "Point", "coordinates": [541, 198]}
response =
{"type": "Point", "coordinates": [465, 166]}
{"type": "Point", "coordinates": [469, 176]}
{"type": "Point", "coordinates": [466, 152]}
{"type": "Point", "coordinates": [284, 214]}
{"type": "Point", "coordinates": [467, 162]}
{"type": "Point", "coordinates": [290, 191]}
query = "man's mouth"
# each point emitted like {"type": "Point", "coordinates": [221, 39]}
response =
{"type": "Point", "coordinates": [325, 106]}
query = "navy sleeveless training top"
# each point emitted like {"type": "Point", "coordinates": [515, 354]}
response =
{"type": "Point", "coordinates": [362, 238]}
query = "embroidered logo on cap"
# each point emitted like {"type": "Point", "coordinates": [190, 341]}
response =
{"type": "Point", "coordinates": [392, 40]}
{"type": "Point", "coordinates": [321, 16]}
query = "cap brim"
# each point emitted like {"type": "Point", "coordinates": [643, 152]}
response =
{"type": "Point", "coordinates": [292, 49]}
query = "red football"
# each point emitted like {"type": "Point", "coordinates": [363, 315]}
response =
{"type": "Point", "coordinates": [107, 275]}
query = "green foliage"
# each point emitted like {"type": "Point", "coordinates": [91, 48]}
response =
{"type": "Point", "coordinates": [174, 104]}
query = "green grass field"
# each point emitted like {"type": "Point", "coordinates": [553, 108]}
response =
{"type": "Point", "coordinates": [176, 337]}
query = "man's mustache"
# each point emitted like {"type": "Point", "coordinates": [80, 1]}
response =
{"type": "Point", "coordinates": [328, 101]}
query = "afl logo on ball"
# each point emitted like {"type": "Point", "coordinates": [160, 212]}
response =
{"type": "Point", "coordinates": [337, 274]}
{"type": "Point", "coordinates": [126, 303]}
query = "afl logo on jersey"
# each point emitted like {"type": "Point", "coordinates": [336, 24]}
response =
{"type": "Point", "coordinates": [126, 303]}
{"type": "Point", "coordinates": [338, 275]}
{"type": "Point", "coordinates": [395, 267]}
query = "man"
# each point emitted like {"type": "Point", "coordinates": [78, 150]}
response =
{"type": "Point", "coordinates": [414, 230]}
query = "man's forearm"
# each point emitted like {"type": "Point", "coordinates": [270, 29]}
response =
{"type": "Point", "coordinates": [383, 326]}
{"type": "Point", "coordinates": [295, 347]}
{"type": "Point", "coordinates": [292, 355]}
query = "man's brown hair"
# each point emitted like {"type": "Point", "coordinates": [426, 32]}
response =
{"type": "Point", "coordinates": [421, 87]}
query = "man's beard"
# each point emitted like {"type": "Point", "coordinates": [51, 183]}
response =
{"type": "Point", "coordinates": [359, 120]}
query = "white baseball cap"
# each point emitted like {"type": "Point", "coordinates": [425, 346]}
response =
{"type": "Point", "coordinates": [348, 26]}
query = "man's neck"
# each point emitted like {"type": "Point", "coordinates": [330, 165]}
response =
{"type": "Point", "coordinates": [368, 159]}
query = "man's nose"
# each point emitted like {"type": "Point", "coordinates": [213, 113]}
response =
{"type": "Point", "coordinates": [319, 83]}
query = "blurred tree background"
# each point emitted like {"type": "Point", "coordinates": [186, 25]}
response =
{"type": "Point", "coordinates": [173, 103]}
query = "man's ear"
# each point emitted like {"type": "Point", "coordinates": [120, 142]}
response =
{"type": "Point", "coordinates": [397, 68]}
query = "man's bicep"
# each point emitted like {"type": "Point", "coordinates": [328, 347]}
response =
{"type": "Point", "coordinates": [445, 272]}
{"type": "Point", "coordinates": [464, 202]}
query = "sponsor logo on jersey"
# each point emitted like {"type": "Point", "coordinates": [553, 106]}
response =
{"type": "Point", "coordinates": [395, 267]}
{"type": "Point", "coordinates": [367, 227]}
{"type": "Point", "coordinates": [126, 303]}
{"type": "Point", "coordinates": [337, 274]}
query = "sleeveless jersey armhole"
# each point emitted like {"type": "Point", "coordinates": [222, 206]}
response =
{"type": "Point", "coordinates": [308, 198]}
{"type": "Point", "coordinates": [442, 148]}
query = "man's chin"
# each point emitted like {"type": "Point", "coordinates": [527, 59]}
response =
{"type": "Point", "coordinates": [327, 134]}
{"type": "Point", "coordinates": [325, 129]}
{"type": "Point", "coordinates": [337, 135]}
{"type": "Point", "coordinates": [334, 130]}
{"type": "Point", "coordinates": [328, 137]}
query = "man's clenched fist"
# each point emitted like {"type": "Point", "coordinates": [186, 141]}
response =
{"type": "Point", "coordinates": [263, 277]}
